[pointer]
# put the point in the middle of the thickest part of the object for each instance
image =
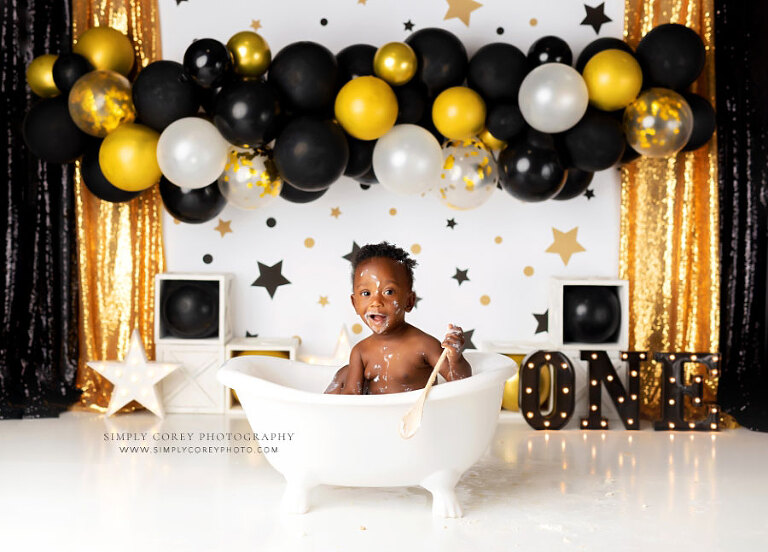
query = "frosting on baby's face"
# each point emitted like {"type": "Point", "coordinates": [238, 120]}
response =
{"type": "Point", "coordinates": [381, 294]}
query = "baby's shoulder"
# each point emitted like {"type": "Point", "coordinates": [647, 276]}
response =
{"type": "Point", "coordinates": [422, 337]}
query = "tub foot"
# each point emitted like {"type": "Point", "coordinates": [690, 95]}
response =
{"type": "Point", "coordinates": [296, 496]}
{"type": "Point", "coordinates": [442, 487]}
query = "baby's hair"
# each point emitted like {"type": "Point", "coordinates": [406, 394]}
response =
{"type": "Point", "coordinates": [388, 251]}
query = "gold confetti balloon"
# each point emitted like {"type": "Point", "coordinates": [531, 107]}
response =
{"type": "Point", "coordinates": [40, 76]}
{"type": "Point", "coordinates": [250, 54]}
{"type": "Point", "coordinates": [250, 179]}
{"type": "Point", "coordinates": [395, 62]}
{"type": "Point", "coordinates": [469, 175]}
{"type": "Point", "coordinates": [107, 49]}
{"type": "Point", "coordinates": [658, 123]}
{"type": "Point", "coordinates": [100, 101]}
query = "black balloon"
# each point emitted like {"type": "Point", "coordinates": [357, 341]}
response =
{"type": "Point", "coordinates": [496, 71]}
{"type": "Point", "coordinates": [671, 55]}
{"type": "Point", "coordinates": [294, 195]}
{"type": "Point", "coordinates": [360, 157]}
{"type": "Point", "coordinates": [442, 59]}
{"type": "Point", "coordinates": [595, 143]}
{"type": "Point", "coordinates": [368, 178]}
{"type": "Point", "coordinates": [162, 94]}
{"type": "Point", "coordinates": [537, 139]}
{"type": "Point", "coordinates": [305, 77]}
{"type": "Point", "coordinates": [549, 49]}
{"type": "Point", "coordinates": [703, 121]}
{"type": "Point", "coordinates": [95, 180]}
{"type": "Point", "coordinates": [67, 69]}
{"type": "Point", "coordinates": [193, 206]}
{"type": "Point", "coordinates": [207, 98]}
{"type": "Point", "coordinates": [576, 183]}
{"type": "Point", "coordinates": [504, 121]}
{"type": "Point", "coordinates": [412, 102]}
{"type": "Point", "coordinates": [630, 154]}
{"type": "Point", "coordinates": [311, 154]}
{"type": "Point", "coordinates": [529, 173]}
{"type": "Point", "coordinates": [50, 133]}
{"type": "Point", "coordinates": [355, 61]}
{"type": "Point", "coordinates": [599, 45]}
{"type": "Point", "coordinates": [246, 113]}
{"type": "Point", "coordinates": [190, 309]}
{"type": "Point", "coordinates": [591, 314]}
{"type": "Point", "coordinates": [206, 61]}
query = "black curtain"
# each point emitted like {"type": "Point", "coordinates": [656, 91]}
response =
{"type": "Point", "coordinates": [39, 340]}
{"type": "Point", "coordinates": [741, 49]}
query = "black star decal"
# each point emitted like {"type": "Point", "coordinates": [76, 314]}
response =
{"type": "Point", "coordinates": [180, 1]}
{"type": "Point", "coordinates": [351, 255]}
{"type": "Point", "coordinates": [596, 17]}
{"type": "Point", "coordinates": [249, 334]}
{"type": "Point", "coordinates": [461, 276]}
{"type": "Point", "coordinates": [416, 302]}
{"type": "Point", "coordinates": [408, 25]}
{"type": "Point", "coordinates": [451, 223]}
{"type": "Point", "coordinates": [542, 321]}
{"type": "Point", "coordinates": [590, 193]}
{"type": "Point", "coordinates": [270, 277]}
{"type": "Point", "coordinates": [468, 340]}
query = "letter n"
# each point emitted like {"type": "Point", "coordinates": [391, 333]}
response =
{"type": "Point", "coordinates": [601, 372]}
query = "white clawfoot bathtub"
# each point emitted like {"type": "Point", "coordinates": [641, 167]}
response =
{"type": "Point", "coordinates": [354, 441]}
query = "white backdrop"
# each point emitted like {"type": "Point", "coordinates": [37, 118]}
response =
{"type": "Point", "coordinates": [502, 245]}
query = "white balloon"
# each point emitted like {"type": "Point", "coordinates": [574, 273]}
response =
{"type": "Point", "coordinates": [407, 160]}
{"type": "Point", "coordinates": [191, 152]}
{"type": "Point", "coordinates": [553, 97]}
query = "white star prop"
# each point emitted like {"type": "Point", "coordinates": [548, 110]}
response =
{"type": "Point", "coordinates": [134, 378]}
{"type": "Point", "coordinates": [341, 354]}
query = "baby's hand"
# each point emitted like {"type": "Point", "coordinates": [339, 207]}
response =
{"type": "Point", "coordinates": [454, 342]}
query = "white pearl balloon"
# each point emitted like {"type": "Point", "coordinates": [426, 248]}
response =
{"type": "Point", "coordinates": [553, 97]}
{"type": "Point", "coordinates": [191, 152]}
{"type": "Point", "coordinates": [407, 160]}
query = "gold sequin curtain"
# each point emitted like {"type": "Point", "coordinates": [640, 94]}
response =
{"type": "Point", "coordinates": [120, 246]}
{"type": "Point", "coordinates": [669, 222]}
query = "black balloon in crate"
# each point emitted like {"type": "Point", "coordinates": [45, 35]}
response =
{"type": "Point", "coordinates": [591, 314]}
{"type": "Point", "coordinates": [190, 309]}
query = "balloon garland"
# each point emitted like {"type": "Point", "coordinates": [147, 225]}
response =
{"type": "Point", "coordinates": [232, 123]}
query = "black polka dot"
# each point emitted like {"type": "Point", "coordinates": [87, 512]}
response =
{"type": "Point", "coordinates": [207, 258]}
{"type": "Point", "coordinates": [323, 21]}
{"type": "Point", "coordinates": [365, 186]}
{"type": "Point", "coordinates": [500, 30]}
{"type": "Point", "coordinates": [271, 222]}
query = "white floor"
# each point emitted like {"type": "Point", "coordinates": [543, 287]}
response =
{"type": "Point", "coordinates": [63, 485]}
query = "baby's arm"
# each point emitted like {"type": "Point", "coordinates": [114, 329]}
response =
{"type": "Point", "coordinates": [353, 385]}
{"type": "Point", "coordinates": [457, 366]}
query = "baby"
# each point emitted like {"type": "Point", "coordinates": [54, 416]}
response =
{"type": "Point", "coordinates": [397, 357]}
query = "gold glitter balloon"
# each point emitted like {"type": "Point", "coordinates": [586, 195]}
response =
{"type": "Point", "coordinates": [250, 54]}
{"type": "Point", "coordinates": [395, 62]}
{"type": "Point", "coordinates": [107, 49]}
{"type": "Point", "coordinates": [40, 76]}
{"type": "Point", "coordinates": [658, 123]}
{"type": "Point", "coordinates": [100, 101]}
{"type": "Point", "coordinates": [469, 174]}
{"type": "Point", "coordinates": [250, 179]}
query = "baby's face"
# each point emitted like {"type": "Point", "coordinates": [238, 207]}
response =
{"type": "Point", "coordinates": [381, 294]}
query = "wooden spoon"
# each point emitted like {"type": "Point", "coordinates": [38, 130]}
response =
{"type": "Point", "coordinates": [411, 422]}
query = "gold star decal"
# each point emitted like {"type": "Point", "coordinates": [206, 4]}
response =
{"type": "Point", "coordinates": [323, 300]}
{"type": "Point", "coordinates": [362, 2]}
{"type": "Point", "coordinates": [255, 24]}
{"type": "Point", "coordinates": [565, 244]}
{"type": "Point", "coordinates": [461, 9]}
{"type": "Point", "coordinates": [335, 212]}
{"type": "Point", "coordinates": [223, 227]}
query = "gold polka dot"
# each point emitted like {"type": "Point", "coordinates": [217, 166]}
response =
{"type": "Point", "coordinates": [357, 328]}
{"type": "Point", "coordinates": [485, 300]}
{"type": "Point", "coordinates": [393, 211]}
{"type": "Point", "coordinates": [534, 22]}
{"type": "Point", "coordinates": [497, 239]}
{"type": "Point", "coordinates": [309, 242]}
{"type": "Point", "coordinates": [528, 271]}
{"type": "Point", "coordinates": [415, 249]}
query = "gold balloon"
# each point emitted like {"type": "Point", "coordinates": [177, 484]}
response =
{"type": "Point", "coordinates": [40, 76]}
{"type": "Point", "coordinates": [658, 123]}
{"type": "Point", "coordinates": [459, 113]}
{"type": "Point", "coordinates": [101, 101]}
{"type": "Point", "coordinates": [250, 54]}
{"type": "Point", "coordinates": [106, 48]}
{"type": "Point", "coordinates": [395, 62]}
{"type": "Point", "coordinates": [490, 141]}
{"type": "Point", "coordinates": [613, 78]}
{"type": "Point", "coordinates": [366, 107]}
{"type": "Point", "coordinates": [511, 388]}
{"type": "Point", "coordinates": [128, 158]}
